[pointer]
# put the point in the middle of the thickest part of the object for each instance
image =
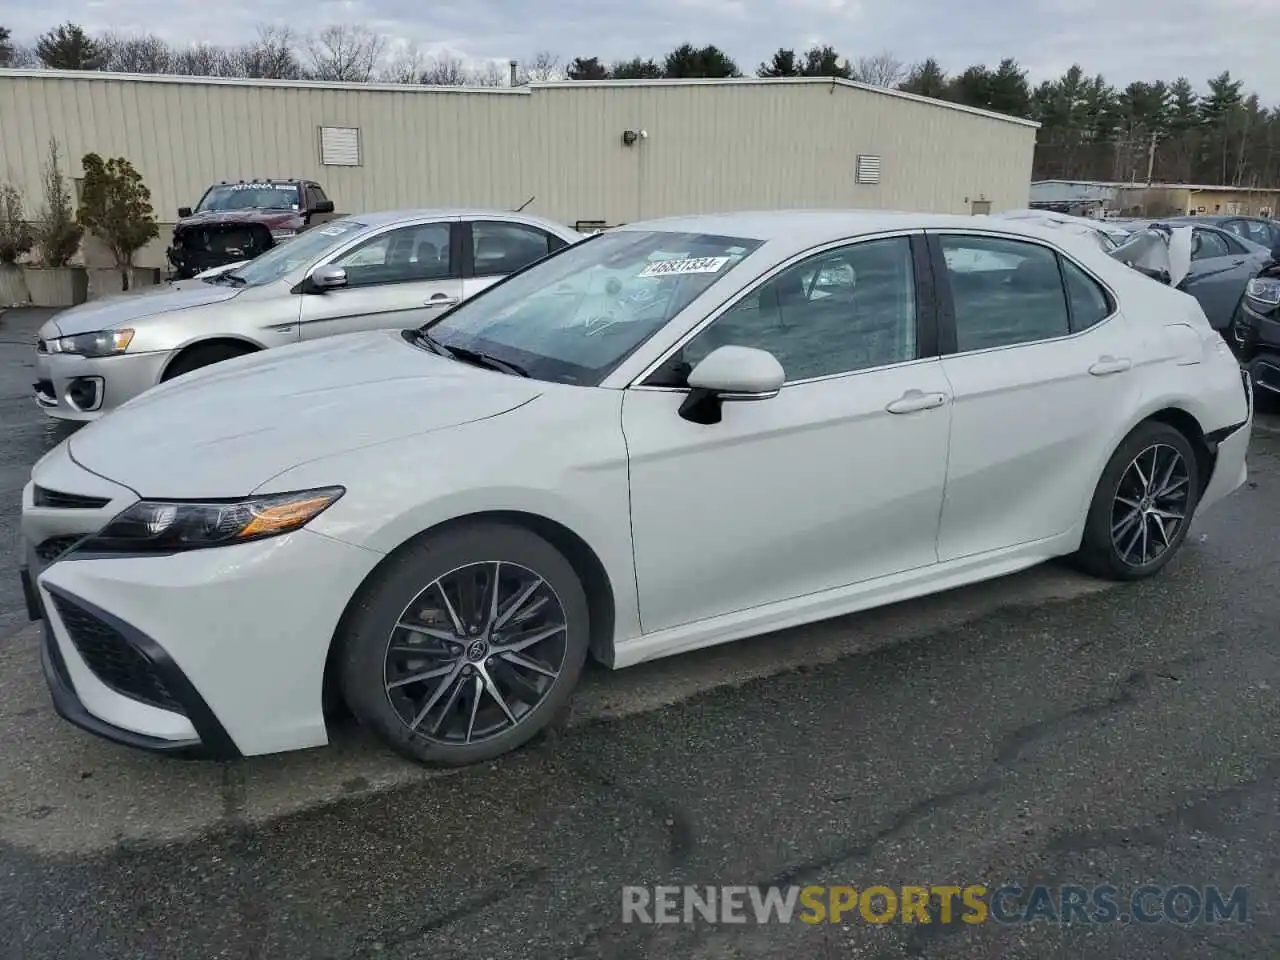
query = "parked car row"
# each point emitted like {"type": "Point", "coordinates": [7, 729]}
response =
{"type": "Point", "coordinates": [665, 436]}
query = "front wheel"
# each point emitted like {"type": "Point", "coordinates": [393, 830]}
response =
{"type": "Point", "coordinates": [1143, 505]}
{"type": "Point", "coordinates": [466, 644]}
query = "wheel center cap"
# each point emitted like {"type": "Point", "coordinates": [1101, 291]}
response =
{"type": "Point", "coordinates": [477, 650]}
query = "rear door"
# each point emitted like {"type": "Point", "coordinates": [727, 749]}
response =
{"type": "Point", "coordinates": [1038, 359]}
{"type": "Point", "coordinates": [493, 249]}
{"type": "Point", "coordinates": [401, 277]}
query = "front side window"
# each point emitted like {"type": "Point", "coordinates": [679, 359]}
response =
{"type": "Point", "coordinates": [308, 247]}
{"type": "Point", "coordinates": [843, 310]}
{"type": "Point", "coordinates": [406, 254]}
{"type": "Point", "coordinates": [575, 316]}
{"type": "Point", "coordinates": [501, 248]}
{"type": "Point", "coordinates": [249, 196]}
{"type": "Point", "coordinates": [1004, 292]}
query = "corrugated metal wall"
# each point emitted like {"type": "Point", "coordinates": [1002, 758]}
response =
{"type": "Point", "coordinates": [710, 146]}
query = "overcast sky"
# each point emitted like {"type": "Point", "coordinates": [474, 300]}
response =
{"type": "Point", "coordinates": [1123, 39]}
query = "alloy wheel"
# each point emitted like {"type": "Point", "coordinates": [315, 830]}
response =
{"type": "Point", "coordinates": [475, 652]}
{"type": "Point", "coordinates": [1151, 505]}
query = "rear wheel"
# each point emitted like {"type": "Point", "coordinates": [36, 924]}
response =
{"type": "Point", "coordinates": [1143, 505]}
{"type": "Point", "coordinates": [193, 358]}
{"type": "Point", "coordinates": [466, 644]}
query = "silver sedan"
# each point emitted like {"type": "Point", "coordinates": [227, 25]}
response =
{"type": "Point", "coordinates": [364, 272]}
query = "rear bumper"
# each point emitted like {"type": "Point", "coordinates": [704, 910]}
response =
{"type": "Point", "coordinates": [1231, 469]}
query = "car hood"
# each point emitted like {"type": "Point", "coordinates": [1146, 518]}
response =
{"type": "Point", "coordinates": [272, 218]}
{"type": "Point", "coordinates": [224, 430]}
{"type": "Point", "coordinates": [122, 309]}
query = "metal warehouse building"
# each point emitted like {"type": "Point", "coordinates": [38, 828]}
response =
{"type": "Point", "coordinates": [605, 152]}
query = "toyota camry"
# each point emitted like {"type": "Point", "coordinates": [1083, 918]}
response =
{"type": "Point", "coordinates": [669, 435]}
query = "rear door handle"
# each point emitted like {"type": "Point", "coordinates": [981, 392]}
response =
{"type": "Point", "coordinates": [1109, 365]}
{"type": "Point", "coordinates": [440, 300]}
{"type": "Point", "coordinates": [915, 400]}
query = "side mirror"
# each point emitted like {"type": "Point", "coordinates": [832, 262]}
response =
{"type": "Point", "coordinates": [324, 206]}
{"type": "Point", "coordinates": [730, 373]}
{"type": "Point", "coordinates": [327, 277]}
{"type": "Point", "coordinates": [184, 212]}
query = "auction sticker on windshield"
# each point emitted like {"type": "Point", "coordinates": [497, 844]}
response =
{"type": "Point", "coordinates": [666, 268]}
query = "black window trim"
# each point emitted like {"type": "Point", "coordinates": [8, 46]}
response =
{"type": "Point", "coordinates": [947, 335]}
{"type": "Point", "coordinates": [468, 249]}
{"type": "Point", "coordinates": [927, 319]}
{"type": "Point", "coordinates": [358, 242]}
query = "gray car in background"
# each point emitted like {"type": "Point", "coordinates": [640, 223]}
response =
{"type": "Point", "coordinates": [363, 272]}
{"type": "Point", "coordinates": [1222, 264]}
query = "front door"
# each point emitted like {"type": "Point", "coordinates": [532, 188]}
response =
{"type": "Point", "coordinates": [835, 481]}
{"type": "Point", "coordinates": [399, 278]}
{"type": "Point", "coordinates": [1038, 361]}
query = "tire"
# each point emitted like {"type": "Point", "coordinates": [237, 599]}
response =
{"type": "Point", "coordinates": [202, 356]}
{"type": "Point", "coordinates": [1111, 557]}
{"type": "Point", "coordinates": [452, 717]}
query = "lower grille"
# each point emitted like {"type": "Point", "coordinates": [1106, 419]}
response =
{"type": "Point", "coordinates": [113, 659]}
{"type": "Point", "coordinates": [49, 550]}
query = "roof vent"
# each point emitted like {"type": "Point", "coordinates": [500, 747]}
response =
{"type": "Point", "coordinates": [868, 169]}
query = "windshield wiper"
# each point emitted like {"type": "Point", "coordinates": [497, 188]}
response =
{"type": "Point", "coordinates": [230, 278]}
{"type": "Point", "coordinates": [473, 357]}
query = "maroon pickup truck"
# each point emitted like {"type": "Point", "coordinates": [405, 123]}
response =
{"type": "Point", "coordinates": [238, 221]}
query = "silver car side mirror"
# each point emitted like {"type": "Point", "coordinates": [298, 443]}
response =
{"type": "Point", "coordinates": [327, 277]}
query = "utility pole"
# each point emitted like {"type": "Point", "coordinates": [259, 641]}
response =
{"type": "Point", "coordinates": [1151, 158]}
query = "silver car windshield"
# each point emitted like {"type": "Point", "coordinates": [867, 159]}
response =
{"type": "Point", "coordinates": [300, 251]}
{"type": "Point", "coordinates": [576, 315]}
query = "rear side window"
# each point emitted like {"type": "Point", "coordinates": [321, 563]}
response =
{"type": "Point", "coordinates": [1089, 302]}
{"type": "Point", "coordinates": [1005, 292]}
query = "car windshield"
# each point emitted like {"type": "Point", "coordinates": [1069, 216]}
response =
{"type": "Point", "coordinates": [287, 257]}
{"type": "Point", "coordinates": [249, 196]}
{"type": "Point", "coordinates": [576, 315]}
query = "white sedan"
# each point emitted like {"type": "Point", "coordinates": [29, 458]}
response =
{"type": "Point", "coordinates": [670, 435]}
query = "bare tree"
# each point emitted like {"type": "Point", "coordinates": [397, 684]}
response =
{"type": "Point", "coordinates": [271, 57]}
{"type": "Point", "coordinates": [141, 54]}
{"type": "Point", "coordinates": [201, 60]}
{"type": "Point", "coordinates": [882, 70]}
{"type": "Point", "coordinates": [350, 53]}
{"type": "Point", "coordinates": [543, 66]}
{"type": "Point", "coordinates": [444, 71]}
{"type": "Point", "coordinates": [491, 75]}
{"type": "Point", "coordinates": [405, 66]}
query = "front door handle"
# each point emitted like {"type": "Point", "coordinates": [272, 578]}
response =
{"type": "Point", "coordinates": [915, 400]}
{"type": "Point", "coordinates": [440, 300]}
{"type": "Point", "coordinates": [1108, 365]}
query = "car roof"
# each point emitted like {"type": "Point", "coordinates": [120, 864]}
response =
{"type": "Point", "coordinates": [802, 229]}
{"type": "Point", "coordinates": [382, 218]}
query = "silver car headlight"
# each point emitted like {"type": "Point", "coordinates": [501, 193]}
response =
{"type": "Point", "coordinates": [101, 343]}
{"type": "Point", "coordinates": [166, 526]}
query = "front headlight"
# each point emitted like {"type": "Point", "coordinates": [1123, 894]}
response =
{"type": "Point", "coordinates": [1264, 290]}
{"type": "Point", "coordinates": [164, 526]}
{"type": "Point", "coordinates": [279, 235]}
{"type": "Point", "coordinates": [101, 343]}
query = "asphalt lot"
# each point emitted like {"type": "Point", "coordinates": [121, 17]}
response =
{"type": "Point", "coordinates": [1041, 729]}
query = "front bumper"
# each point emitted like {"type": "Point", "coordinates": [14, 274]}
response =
{"type": "Point", "coordinates": [69, 387]}
{"type": "Point", "coordinates": [208, 653]}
